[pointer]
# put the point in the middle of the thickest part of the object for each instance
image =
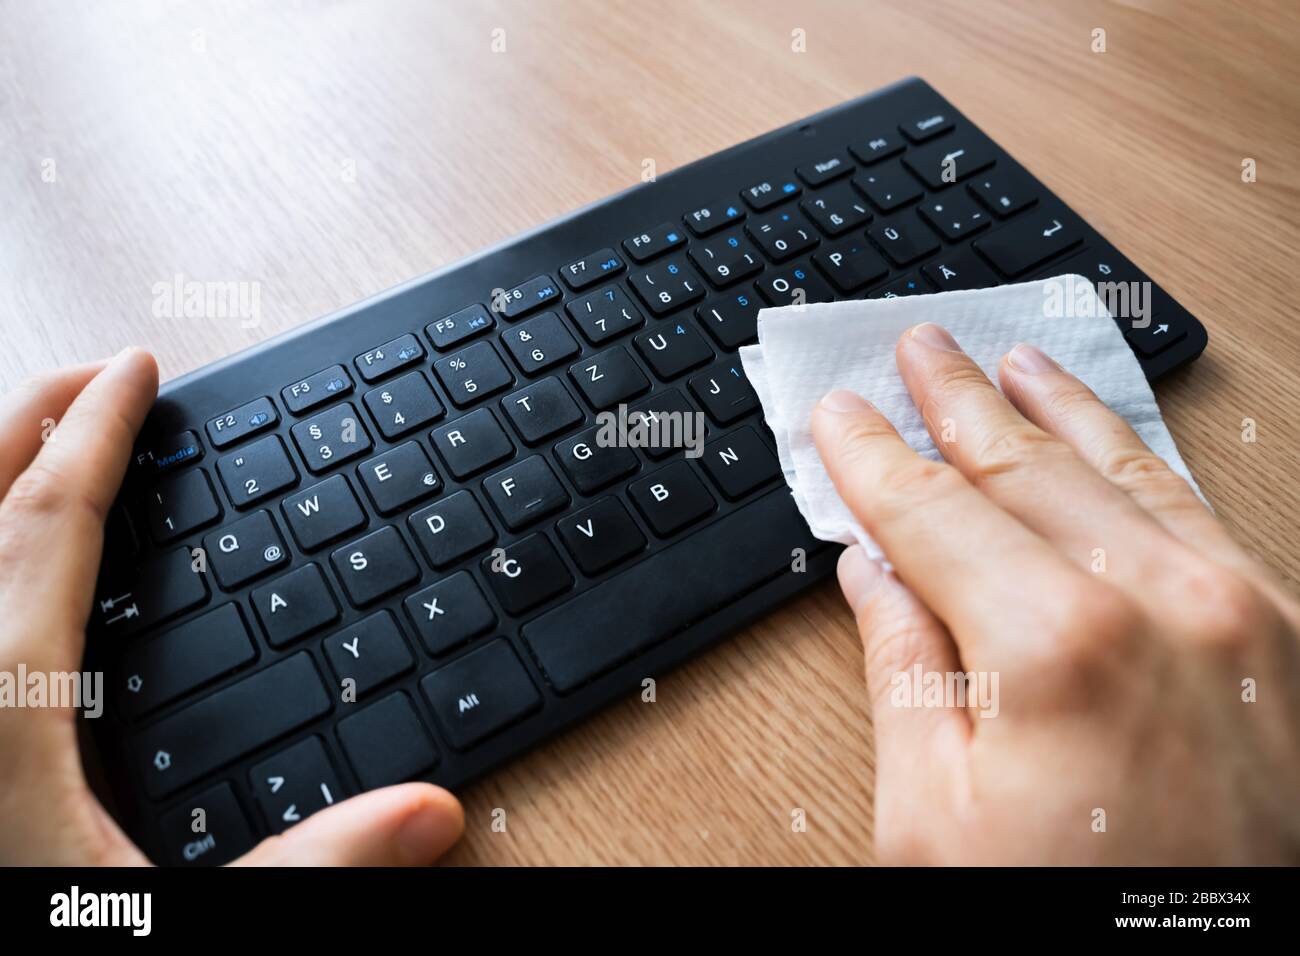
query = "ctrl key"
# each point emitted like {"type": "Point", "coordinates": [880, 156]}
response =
{"type": "Point", "coordinates": [208, 830]}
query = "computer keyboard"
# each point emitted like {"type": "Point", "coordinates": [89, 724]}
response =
{"type": "Point", "coordinates": [395, 544]}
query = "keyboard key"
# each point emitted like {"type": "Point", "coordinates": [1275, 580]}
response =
{"type": "Point", "coordinates": [398, 478]}
{"type": "Point", "coordinates": [1155, 338]}
{"type": "Point", "coordinates": [732, 320]}
{"type": "Point", "coordinates": [539, 343]}
{"type": "Point", "coordinates": [875, 148]}
{"type": "Point", "coordinates": [926, 127]}
{"type": "Point", "coordinates": [471, 443]}
{"type": "Point", "coordinates": [591, 465]}
{"type": "Point", "coordinates": [295, 783]}
{"type": "Point", "coordinates": [600, 535]}
{"type": "Point", "coordinates": [481, 693]}
{"type": "Point", "coordinates": [179, 505]}
{"type": "Point", "coordinates": [331, 437]}
{"type": "Point", "coordinates": [525, 492]}
{"type": "Point", "coordinates": [950, 161]}
{"type": "Point", "coordinates": [256, 471]}
{"type": "Point", "coordinates": [795, 284]}
{"type": "Point", "coordinates": [672, 349]}
{"type": "Point", "coordinates": [523, 298]}
{"type": "Point", "coordinates": [1003, 191]}
{"type": "Point", "coordinates": [451, 529]}
{"type": "Point", "coordinates": [541, 410]}
{"type": "Point", "coordinates": [837, 210]}
{"type": "Point", "coordinates": [904, 241]}
{"type": "Point", "coordinates": [258, 415]}
{"type": "Point", "coordinates": [240, 717]}
{"type": "Point", "coordinates": [910, 284]}
{"type": "Point", "coordinates": [766, 194]}
{"type": "Point", "coordinates": [374, 566]}
{"type": "Point", "coordinates": [403, 405]}
{"type": "Point", "coordinates": [1032, 239]}
{"type": "Point", "coordinates": [316, 389]}
{"type": "Point", "coordinates": [130, 598]}
{"type": "Point", "coordinates": [459, 326]}
{"type": "Point", "coordinates": [449, 613]}
{"type": "Point", "coordinates": [668, 592]}
{"type": "Point", "coordinates": [955, 215]}
{"type": "Point", "coordinates": [247, 549]}
{"type": "Point", "coordinates": [671, 498]}
{"type": "Point", "coordinates": [323, 513]}
{"type": "Point", "coordinates": [670, 423]}
{"type": "Point", "coordinates": [706, 220]}
{"type": "Point", "coordinates": [524, 574]}
{"type": "Point", "coordinates": [154, 457]}
{"type": "Point", "coordinates": [389, 357]}
{"type": "Point", "coordinates": [667, 285]}
{"type": "Point", "coordinates": [653, 242]}
{"type": "Point", "coordinates": [371, 652]}
{"type": "Point", "coordinates": [782, 235]}
{"type": "Point", "coordinates": [294, 605]}
{"type": "Point", "coordinates": [386, 743]}
{"type": "Point", "coordinates": [602, 315]}
{"type": "Point", "coordinates": [225, 835]}
{"type": "Point", "coordinates": [592, 268]}
{"type": "Point", "coordinates": [473, 373]}
{"type": "Point", "coordinates": [161, 668]}
{"type": "Point", "coordinates": [609, 377]}
{"type": "Point", "coordinates": [889, 187]}
{"type": "Point", "coordinates": [725, 393]}
{"type": "Point", "coordinates": [851, 264]}
{"type": "Point", "coordinates": [740, 462]}
{"type": "Point", "coordinates": [961, 270]}
{"type": "Point", "coordinates": [726, 260]}
{"type": "Point", "coordinates": [824, 170]}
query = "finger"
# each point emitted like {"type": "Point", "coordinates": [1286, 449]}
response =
{"type": "Point", "coordinates": [969, 561]}
{"type": "Point", "coordinates": [1028, 472]}
{"type": "Point", "coordinates": [51, 520]}
{"type": "Point", "coordinates": [30, 412]}
{"type": "Point", "coordinates": [1059, 403]}
{"type": "Point", "coordinates": [408, 825]}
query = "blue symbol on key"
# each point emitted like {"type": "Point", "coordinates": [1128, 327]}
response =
{"type": "Point", "coordinates": [407, 353]}
{"type": "Point", "coordinates": [672, 237]}
{"type": "Point", "coordinates": [478, 321]}
{"type": "Point", "coordinates": [789, 188]}
{"type": "Point", "coordinates": [334, 384]}
{"type": "Point", "coordinates": [732, 211]}
{"type": "Point", "coordinates": [261, 418]}
{"type": "Point", "coordinates": [546, 293]}
{"type": "Point", "coordinates": [609, 264]}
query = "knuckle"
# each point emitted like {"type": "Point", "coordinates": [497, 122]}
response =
{"type": "Point", "coordinates": [1088, 630]}
{"type": "Point", "coordinates": [1134, 467]}
{"type": "Point", "coordinates": [1070, 401]}
{"type": "Point", "coordinates": [913, 480]}
{"type": "Point", "coordinates": [1228, 611]}
{"type": "Point", "coordinates": [1008, 450]}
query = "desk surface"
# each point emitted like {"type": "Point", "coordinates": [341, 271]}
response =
{"type": "Point", "coordinates": [329, 155]}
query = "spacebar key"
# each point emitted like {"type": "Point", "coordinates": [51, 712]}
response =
{"type": "Point", "coordinates": [228, 724]}
{"type": "Point", "coordinates": [668, 592]}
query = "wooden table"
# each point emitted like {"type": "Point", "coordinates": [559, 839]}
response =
{"type": "Point", "coordinates": [329, 151]}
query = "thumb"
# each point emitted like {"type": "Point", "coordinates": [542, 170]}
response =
{"type": "Point", "coordinates": [407, 825]}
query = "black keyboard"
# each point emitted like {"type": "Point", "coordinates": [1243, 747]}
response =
{"type": "Point", "coordinates": [391, 544]}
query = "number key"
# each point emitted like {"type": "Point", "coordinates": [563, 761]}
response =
{"type": "Point", "coordinates": [667, 286]}
{"type": "Point", "coordinates": [539, 343]}
{"type": "Point", "coordinates": [332, 436]}
{"type": "Point", "coordinates": [727, 260]}
{"type": "Point", "coordinates": [473, 373]}
{"type": "Point", "coordinates": [403, 404]}
{"type": "Point", "coordinates": [605, 313]}
{"type": "Point", "coordinates": [256, 471]}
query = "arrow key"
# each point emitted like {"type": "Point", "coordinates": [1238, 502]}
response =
{"type": "Point", "coordinates": [1156, 337]}
{"type": "Point", "coordinates": [295, 783]}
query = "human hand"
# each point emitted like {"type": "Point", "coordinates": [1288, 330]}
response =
{"type": "Point", "coordinates": [54, 498]}
{"type": "Point", "coordinates": [1128, 632]}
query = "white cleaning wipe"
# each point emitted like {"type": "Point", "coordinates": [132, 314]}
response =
{"type": "Point", "coordinates": [803, 352]}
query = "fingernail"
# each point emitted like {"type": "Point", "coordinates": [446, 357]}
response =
{"type": "Point", "coordinates": [842, 400]}
{"type": "Point", "coordinates": [935, 336]}
{"type": "Point", "coordinates": [425, 834]}
{"type": "Point", "coordinates": [1026, 358]}
{"type": "Point", "coordinates": [858, 574]}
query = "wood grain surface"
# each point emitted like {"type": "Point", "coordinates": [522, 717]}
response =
{"type": "Point", "coordinates": [326, 151]}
